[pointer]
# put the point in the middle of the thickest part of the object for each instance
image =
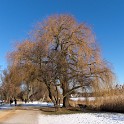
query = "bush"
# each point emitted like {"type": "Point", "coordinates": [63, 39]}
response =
{"type": "Point", "coordinates": [113, 104]}
{"type": "Point", "coordinates": [106, 103]}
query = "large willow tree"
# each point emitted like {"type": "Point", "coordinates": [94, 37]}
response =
{"type": "Point", "coordinates": [64, 56]}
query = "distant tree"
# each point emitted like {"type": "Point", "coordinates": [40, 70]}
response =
{"type": "Point", "coordinates": [10, 87]}
{"type": "Point", "coordinates": [27, 61]}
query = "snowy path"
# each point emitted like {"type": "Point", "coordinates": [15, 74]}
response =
{"type": "Point", "coordinates": [84, 118]}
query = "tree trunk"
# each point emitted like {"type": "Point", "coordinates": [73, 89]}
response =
{"type": "Point", "coordinates": [66, 101]}
{"type": "Point", "coordinates": [65, 97]}
{"type": "Point", "coordinates": [50, 94]}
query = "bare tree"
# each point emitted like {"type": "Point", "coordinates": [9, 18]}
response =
{"type": "Point", "coordinates": [64, 56]}
{"type": "Point", "coordinates": [10, 87]}
{"type": "Point", "coordinates": [76, 54]}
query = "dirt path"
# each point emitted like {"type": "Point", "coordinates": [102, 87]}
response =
{"type": "Point", "coordinates": [21, 117]}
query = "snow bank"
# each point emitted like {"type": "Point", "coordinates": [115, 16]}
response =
{"type": "Point", "coordinates": [83, 118]}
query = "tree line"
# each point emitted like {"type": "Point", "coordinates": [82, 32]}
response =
{"type": "Point", "coordinates": [61, 57]}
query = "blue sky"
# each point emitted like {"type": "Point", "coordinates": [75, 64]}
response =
{"type": "Point", "coordinates": [106, 18]}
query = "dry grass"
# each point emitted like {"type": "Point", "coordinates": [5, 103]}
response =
{"type": "Point", "coordinates": [90, 104]}
{"type": "Point", "coordinates": [113, 104]}
{"type": "Point", "coordinates": [106, 103]}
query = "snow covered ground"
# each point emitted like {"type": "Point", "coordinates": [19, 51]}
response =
{"type": "Point", "coordinates": [6, 106]}
{"type": "Point", "coordinates": [28, 104]}
{"type": "Point", "coordinates": [83, 118]}
{"type": "Point", "coordinates": [82, 98]}
{"type": "Point", "coordinates": [38, 104]}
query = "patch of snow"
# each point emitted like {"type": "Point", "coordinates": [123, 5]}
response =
{"type": "Point", "coordinates": [82, 118]}
{"type": "Point", "coordinates": [38, 104]}
{"type": "Point", "coordinates": [82, 98]}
